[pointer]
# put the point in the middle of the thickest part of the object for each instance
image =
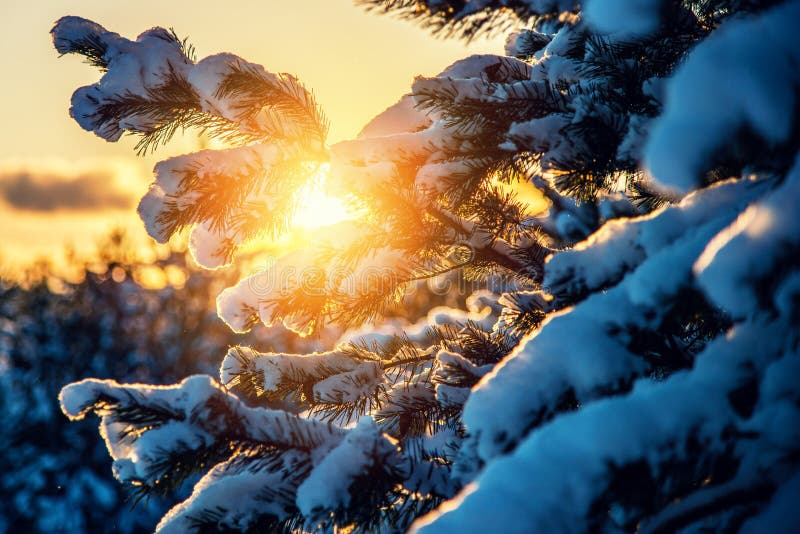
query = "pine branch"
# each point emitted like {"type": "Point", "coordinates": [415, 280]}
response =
{"type": "Point", "coordinates": [456, 18]}
{"type": "Point", "coordinates": [468, 116]}
{"type": "Point", "coordinates": [166, 108]}
{"type": "Point", "coordinates": [254, 90]}
{"type": "Point", "coordinates": [237, 205]}
{"type": "Point", "coordinates": [521, 314]}
{"type": "Point", "coordinates": [90, 46]}
{"type": "Point", "coordinates": [483, 247]}
{"type": "Point", "coordinates": [173, 466]}
{"type": "Point", "coordinates": [186, 47]}
{"type": "Point", "coordinates": [416, 415]}
{"type": "Point", "coordinates": [344, 412]}
{"type": "Point", "coordinates": [707, 502]}
{"type": "Point", "coordinates": [647, 198]}
{"type": "Point", "coordinates": [479, 346]}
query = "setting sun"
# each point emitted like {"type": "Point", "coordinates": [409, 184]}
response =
{"type": "Point", "coordinates": [318, 209]}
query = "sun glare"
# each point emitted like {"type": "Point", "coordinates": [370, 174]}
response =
{"type": "Point", "coordinates": [317, 208]}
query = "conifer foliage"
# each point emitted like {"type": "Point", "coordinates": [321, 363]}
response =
{"type": "Point", "coordinates": [637, 371]}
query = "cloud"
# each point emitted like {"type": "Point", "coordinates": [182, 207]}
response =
{"type": "Point", "coordinates": [50, 191]}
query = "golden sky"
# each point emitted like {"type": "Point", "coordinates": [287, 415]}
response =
{"type": "Point", "coordinates": [356, 63]}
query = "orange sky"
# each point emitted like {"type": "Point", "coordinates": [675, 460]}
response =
{"type": "Point", "coordinates": [356, 63]}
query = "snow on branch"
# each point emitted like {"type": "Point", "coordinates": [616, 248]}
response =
{"type": "Point", "coordinates": [472, 19]}
{"type": "Point", "coordinates": [249, 491]}
{"type": "Point", "coordinates": [262, 458]}
{"type": "Point", "coordinates": [571, 463]}
{"type": "Point", "coordinates": [152, 88]}
{"type": "Point", "coordinates": [623, 245]}
{"type": "Point", "coordinates": [760, 54]}
{"type": "Point", "coordinates": [143, 423]}
{"type": "Point", "coordinates": [333, 486]}
{"type": "Point", "coordinates": [751, 252]}
{"type": "Point", "coordinates": [132, 69]}
{"type": "Point", "coordinates": [584, 351]}
{"type": "Point", "coordinates": [271, 373]}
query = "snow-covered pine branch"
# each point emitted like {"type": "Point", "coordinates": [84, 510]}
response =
{"type": "Point", "coordinates": [151, 88]}
{"type": "Point", "coordinates": [696, 438]}
{"type": "Point", "coordinates": [476, 18]}
{"type": "Point", "coordinates": [228, 197]}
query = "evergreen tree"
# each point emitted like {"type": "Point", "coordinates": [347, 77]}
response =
{"type": "Point", "coordinates": [637, 373]}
